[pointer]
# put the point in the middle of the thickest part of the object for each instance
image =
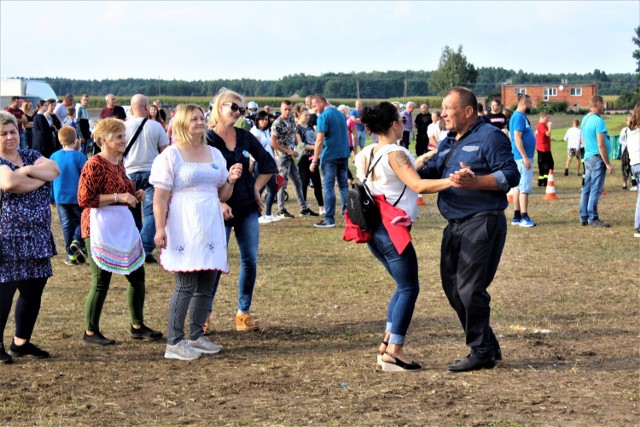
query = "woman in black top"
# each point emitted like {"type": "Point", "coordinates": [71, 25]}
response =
{"type": "Point", "coordinates": [242, 210]}
{"type": "Point", "coordinates": [308, 137]}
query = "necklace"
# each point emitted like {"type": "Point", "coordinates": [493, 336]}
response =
{"type": "Point", "coordinates": [15, 160]}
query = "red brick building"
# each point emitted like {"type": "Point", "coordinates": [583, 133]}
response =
{"type": "Point", "coordinates": [576, 96]}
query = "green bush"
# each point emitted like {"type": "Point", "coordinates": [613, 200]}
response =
{"type": "Point", "coordinates": [627, 100]}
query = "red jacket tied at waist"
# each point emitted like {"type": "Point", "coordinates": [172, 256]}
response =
{"type": "Point", "coordinates": [394, 219]}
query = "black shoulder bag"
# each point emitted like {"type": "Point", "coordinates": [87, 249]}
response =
{"type": "Point", "coordinates": [134, 137]}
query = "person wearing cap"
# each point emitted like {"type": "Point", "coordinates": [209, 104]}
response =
{"type": "Point", "coordinates": [252, 112]}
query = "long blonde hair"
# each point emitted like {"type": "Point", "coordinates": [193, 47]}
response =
{"type": "Point", "coordinates": [181, 122]}
{"type": "Point", "coordinates": [224, 95]}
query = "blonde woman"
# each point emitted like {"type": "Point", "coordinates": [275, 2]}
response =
{"type": "Point", "coordinates": [191, 179]}
{"type": "Point", "coordinates": [242, 210]}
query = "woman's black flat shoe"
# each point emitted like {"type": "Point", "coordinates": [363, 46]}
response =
{"type": "Point", "coordinates": [4, 357]}
{"type": "Point", "coordinates": [399, 366]}
{"type": "Point", "coordinates": [27, 349]}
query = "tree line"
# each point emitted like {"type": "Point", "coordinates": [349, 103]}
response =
{"type": "Point", "coordinates": [376, 84]}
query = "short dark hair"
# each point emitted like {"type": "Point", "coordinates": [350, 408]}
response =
{"type": "Point", "coordinates": [15, 98]}
{"type": "Point", "coordinates": [380, 117]}
{"type": "Point", "coordinates": [286, 102]}
{"type": "Point", "coordinates": [467, 98]}
{"type": "Point", "coordinates": [320, 97]}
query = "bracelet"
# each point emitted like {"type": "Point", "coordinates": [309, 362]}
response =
{"type": "Point", "coordinates": [115, 198]}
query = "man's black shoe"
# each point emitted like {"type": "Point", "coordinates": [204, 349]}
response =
{"type": "Point", "coordinates": [472, 363]}
{"type": "Point", "coordinates": [150, 259]}
{"type": "Point", "coordinates": [27, 349]}
{"type": "Point", "coordinates": [497, 352]}
{"type": "Point", "coordinates": [4, 357]}
{"type": "Point", "coordinates": [145, 333]}
{"type": "Point", "coordinates": [97, 339]}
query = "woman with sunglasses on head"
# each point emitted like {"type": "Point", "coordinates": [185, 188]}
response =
{"type": "Point", "coordinates": [395, 184]}
{"type": "Point", "coordinates": [263, 135]}
{"type": "Point", "coordinates": [242, 210]}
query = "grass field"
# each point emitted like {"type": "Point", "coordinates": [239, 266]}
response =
{"type": "Point", "coordinates": [564, 305]}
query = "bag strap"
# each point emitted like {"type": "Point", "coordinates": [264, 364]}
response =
{"type": "Point", "coordinates": [134, 137]}
{"type": "Point", "coordinates": [369, 170]}
{"type": "Point", "coordinates": [401, 194]}
{"type": "Point", "coordinates": [374, 165]}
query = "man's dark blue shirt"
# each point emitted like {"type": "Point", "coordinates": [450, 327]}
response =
{"type": "Point", "coordinates": [485, 150]}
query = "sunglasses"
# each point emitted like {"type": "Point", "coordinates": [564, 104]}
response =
{"type": "Point", "coordinates": [235, 107]}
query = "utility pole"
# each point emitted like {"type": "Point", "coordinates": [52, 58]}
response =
{"type": "Point", "coordinates": [357, 88]}
{"type": "Point", "coordinates": [405, 89]}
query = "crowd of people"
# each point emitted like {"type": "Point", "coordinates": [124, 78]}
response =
{"type": "Point", "coordinates": [184, 183]}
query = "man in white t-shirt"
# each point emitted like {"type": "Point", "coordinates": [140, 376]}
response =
{"type": "Point", "coordinates": [149, 143]}
{"type": "Point", "coordinates": [572, 137]}
{"type": "Point", "coordinates": [61, 109]}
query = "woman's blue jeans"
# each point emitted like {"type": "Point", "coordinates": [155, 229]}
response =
{"type": "Point", "coordinates": [403, 268]}
{"type": "Point", "coordinates": [247, 232]}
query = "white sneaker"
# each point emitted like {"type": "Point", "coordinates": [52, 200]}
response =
{"type": "Point", "coordinates": [204, 346]}
{"type": "Point", "coordinates": [634, 188]}
{"type": "Point", "coordinates": [264, 220]}
{"type": "Point", "coordinates": [181, 351]}
{"type": "Point", "coordinates": [322, 212]}
{"type": "Point", "coordinates": [274, 218]}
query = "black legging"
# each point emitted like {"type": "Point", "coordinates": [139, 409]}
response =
{"type": "Point", "coordinates": [27, 306]}
{"type": "Point", "coordinates": [305, 175]}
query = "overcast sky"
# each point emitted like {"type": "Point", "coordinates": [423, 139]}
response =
{"type": "Point", "coordinates": [268, 40]}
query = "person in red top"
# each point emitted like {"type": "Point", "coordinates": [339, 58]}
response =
{"type": "Point", "coordinates": [112, 110]}
{"type": "Point", "coordinates": [14, 108]}
{"type": "Point", "coordinates": [543, 146]}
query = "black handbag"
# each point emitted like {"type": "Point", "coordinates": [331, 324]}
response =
{"type": "Point", "coordinates": [361, 207]}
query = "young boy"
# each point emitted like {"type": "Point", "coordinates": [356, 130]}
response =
{"type": "Point", "coordinates": [65, 192]}
{"type": "Point", "coordinates": [543, 146]}
{"type": "Point", "coordinates": [71, 118]}
{"type": "Point", "coordinates": [572, 137]}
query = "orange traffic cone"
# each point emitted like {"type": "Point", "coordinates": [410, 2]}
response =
{"type": "Point", "coordinates": [420, 200]}
{"type": "Point", "coordinates": [550, 194]}
{"type": "Point", "coordinates": [510, 196]}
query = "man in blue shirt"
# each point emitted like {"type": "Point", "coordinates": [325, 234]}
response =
{"type": "Point", "coordinates": [332, 148]}
{"type": "Point", "coordinates": [523, 146]}
{"type": "Point", "coordinates": [596, 143]}
{"type": "Point", "coordinates": [477, 157]}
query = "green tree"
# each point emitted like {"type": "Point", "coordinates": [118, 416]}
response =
{"type": "Point", "coordinates": [453, 70]}
{"type": "Point", "coordinates": [636, 53]}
